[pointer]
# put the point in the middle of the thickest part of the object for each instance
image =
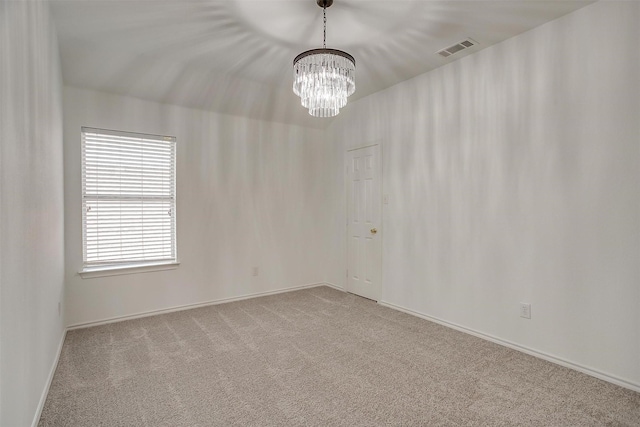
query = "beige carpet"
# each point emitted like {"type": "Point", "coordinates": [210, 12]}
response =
{"type": "Point", "coordinates": [314, 357]}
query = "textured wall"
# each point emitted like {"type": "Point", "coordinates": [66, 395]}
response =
{"type": "Point", "coordinates": [512, 176]}
{"type": "Point", "coordinates": [31, 207]}
{"type": "Point", "coordinates": [250, 193]}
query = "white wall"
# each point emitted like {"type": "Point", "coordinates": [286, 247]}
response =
{"type": "Point", "coordinates": [31, 208]}
{"type": "Point", "coordinates": [250, 193]}
{"type": "Point", "coordinates": [513, 176]}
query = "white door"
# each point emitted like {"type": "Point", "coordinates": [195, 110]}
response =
{"type": "Point", "coordinates": [364, 249]}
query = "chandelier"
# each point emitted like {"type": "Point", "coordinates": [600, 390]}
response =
{"type": "Point", "coordinates": [324, 78]}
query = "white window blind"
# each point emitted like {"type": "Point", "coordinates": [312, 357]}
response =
{"type": "Point", "coordinates": [128, 198]}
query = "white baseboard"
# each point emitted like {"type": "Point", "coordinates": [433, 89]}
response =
{"type": "Point", "coordinates": [45, 391]}
{"type": "Point", "coordinates": [190, 306]}
{"type": "Point", "coordinates": [530, 351]}
{"type": "Point", "coordinates": [336, 287]}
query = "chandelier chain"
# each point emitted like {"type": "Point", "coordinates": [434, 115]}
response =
{"type": "Point", "coordinates": [324, 39]}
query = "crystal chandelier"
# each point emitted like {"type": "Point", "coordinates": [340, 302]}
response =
{"type": "Point", "coordinates": [324, 78]}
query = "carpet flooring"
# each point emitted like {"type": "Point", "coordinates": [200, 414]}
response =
{"type": "Point", "coordinates": [316, 357]}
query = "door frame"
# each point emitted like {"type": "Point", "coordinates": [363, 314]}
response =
{"type": "Point", "coordinates": [377, 142]}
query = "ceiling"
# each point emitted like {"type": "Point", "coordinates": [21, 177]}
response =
{"type": "Point", "coordinates": [235, 56]}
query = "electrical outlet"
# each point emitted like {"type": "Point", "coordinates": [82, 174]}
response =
{"type": "Point", "coordinates": [385, 199]}
{"type": "Point", "coordinates": [58, 308]}
{"type": "Point", "coordinates": [255, 271]}
{"type": "Point", "coordinates": [525, 310]}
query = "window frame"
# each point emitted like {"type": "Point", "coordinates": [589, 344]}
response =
{"type": "Point", "coordinates": [130, 266]}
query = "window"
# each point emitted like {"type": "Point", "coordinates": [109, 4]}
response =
{"type": "Point", "coordinates": [128, 199]}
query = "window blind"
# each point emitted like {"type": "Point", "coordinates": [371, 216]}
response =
{"type": "Point", "coordinates": [128, 198]}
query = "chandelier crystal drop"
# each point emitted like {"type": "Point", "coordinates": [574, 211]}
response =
{"type": "Point", "coordinates": [324, 78]}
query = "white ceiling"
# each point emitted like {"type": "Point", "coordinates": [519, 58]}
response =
{"type": "Point", "coordinates": [235, 56]}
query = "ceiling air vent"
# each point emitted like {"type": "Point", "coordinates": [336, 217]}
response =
{"type": "Point", "coordinates": [464, 44]}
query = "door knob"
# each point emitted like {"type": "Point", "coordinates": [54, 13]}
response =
{"type": "Point", "coordinates": [374, 231]}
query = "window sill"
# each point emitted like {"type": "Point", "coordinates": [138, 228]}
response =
{"type": "Point", "coordinates": [90, 273]}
